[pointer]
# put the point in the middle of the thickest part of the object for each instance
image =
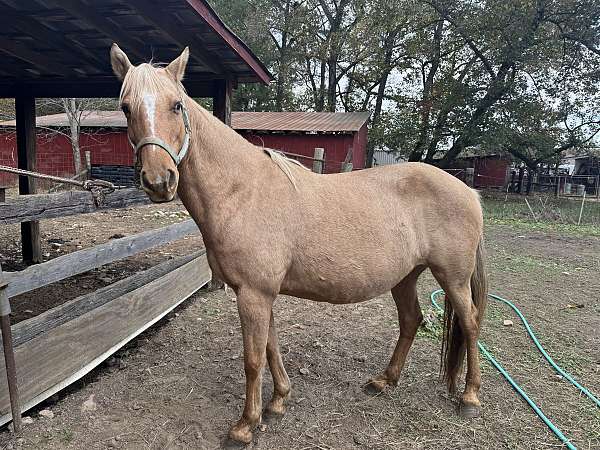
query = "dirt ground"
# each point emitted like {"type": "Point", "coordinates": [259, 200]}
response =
{"type": "Point", "coordinates": [181, 384]}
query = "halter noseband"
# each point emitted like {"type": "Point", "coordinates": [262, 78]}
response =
{"type": "Point", "coordinates": [153, 140]}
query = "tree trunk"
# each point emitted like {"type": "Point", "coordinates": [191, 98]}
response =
{"type": "Point", "coordinates": [427, 99]}
{"type": "Point", "coordinates": [73, 114]}
{"type": "Point", "coordinates": [389, 42]}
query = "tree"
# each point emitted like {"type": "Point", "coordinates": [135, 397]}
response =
{"type": "Point", "coordinates": [76, 109]}
{"type": "Point", "coordinates": [440, 76]}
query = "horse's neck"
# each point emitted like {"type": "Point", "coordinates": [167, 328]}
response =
{"type": "Point", "coordinates": [219, 168]}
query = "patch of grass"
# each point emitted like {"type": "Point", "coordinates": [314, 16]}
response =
{"type": "Point", "coordinates": [545, 212]}
{"type": "Point", "coordinates": [526, 264]}
{"type": "Point", "coordinates": [432, 326]}
{"type": "Point", "coordinates": [564, 228]}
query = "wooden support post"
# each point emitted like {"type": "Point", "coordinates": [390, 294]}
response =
{"type": "Point", "coordinates": [319, 160]}
{"type": "Point", "coordinates": [9, 356]}
{"type": "Point", "coordinates": [26, 141]}
{"type": "Point", "coordinates": [222, 109]}
{"type": "Point", "coordinates": [222, 100]}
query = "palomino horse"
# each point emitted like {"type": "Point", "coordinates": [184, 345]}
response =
{"type": "Point", "coordinates": [270, 226]}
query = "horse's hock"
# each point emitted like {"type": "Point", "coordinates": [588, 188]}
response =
{"type": "Point", "coordinates": [62, 344]}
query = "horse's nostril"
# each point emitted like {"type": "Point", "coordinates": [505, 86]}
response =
{"type": "Point", "coordinates": [144, 179]}
{"type": "Point", "coordinates": [171, 179]}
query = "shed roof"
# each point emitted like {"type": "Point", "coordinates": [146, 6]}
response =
{"type": "Point", "coordinates": [61, 48]}
{"type": "Point", "coordinates": [300, 121]}
{"type": "Point", "coordinates": [307, 122]}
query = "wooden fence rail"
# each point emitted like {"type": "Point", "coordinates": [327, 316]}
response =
{"type": "Point", "coordinates": [49, 206]}
{"type": "Point", "coordinates": [81, 261]}
{"type": "Point", "coordinates": [61, 345]}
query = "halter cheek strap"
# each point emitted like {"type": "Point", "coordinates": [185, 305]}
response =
{"type": "Point", "coordinates": [177, 157]}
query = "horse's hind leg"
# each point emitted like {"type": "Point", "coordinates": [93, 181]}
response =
{"type": "Point", "coordinates": [281, 381]}
{"type": "Point", "coordinates": [458, 293]}
{"type": "Point", "coordinates": [409, 319]}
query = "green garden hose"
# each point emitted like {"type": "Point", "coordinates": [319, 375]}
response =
{"type": "Point", "coordinates": [513, 383]}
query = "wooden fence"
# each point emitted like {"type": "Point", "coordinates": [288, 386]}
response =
{"type": "Point", "coordinates": [62, 344]}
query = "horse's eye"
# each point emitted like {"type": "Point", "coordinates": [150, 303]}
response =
{"type": "Point", "coordinates": [178, 107]}
{"type": "Point", "coordinates": [125, 108]}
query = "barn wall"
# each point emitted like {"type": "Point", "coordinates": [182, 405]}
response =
{"type": "Point", "coordinates": [336, 146]}
{"type": "Point", "coordinates": [359, 154]}
{"type": "Point", "coordinates": [111, 148]}
{"type": "Point", "coordinates": [55, 157]}
{"type": "Point", "coordinates": [491, 172]}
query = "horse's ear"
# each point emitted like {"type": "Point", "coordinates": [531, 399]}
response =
{"type": "Point", "coordinates": [177, 66]}
{"type": "Point", "coordinates": [119, 61]}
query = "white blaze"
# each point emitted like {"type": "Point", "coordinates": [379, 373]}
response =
{"type": "Point", "coordinates": [150, 106]}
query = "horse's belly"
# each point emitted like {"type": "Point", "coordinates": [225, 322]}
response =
{"type": "Point", "coordinates": [341, 284]}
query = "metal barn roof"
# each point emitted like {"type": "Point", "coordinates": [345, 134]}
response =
{"type": "Point", "coordinates": [60, 48]}
{"type": "Point", "coordinates": [252, 121]}
{"type": "Point", "coordinates": [300, 121]}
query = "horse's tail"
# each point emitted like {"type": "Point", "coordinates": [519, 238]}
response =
{"type": "Point", "coordinates": [454, 342]}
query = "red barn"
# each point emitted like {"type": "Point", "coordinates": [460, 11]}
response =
{"type": "Point", "coordinates": [103, 133]}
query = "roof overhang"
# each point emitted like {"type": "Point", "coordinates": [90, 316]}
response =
{"type": "Point", "coordinates": [61, 48]}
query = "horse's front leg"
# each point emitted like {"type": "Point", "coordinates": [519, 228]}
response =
{"type": "Point", "coordinates": [255, 312]}
{"type": "Point", "coordinates": [281, 381]}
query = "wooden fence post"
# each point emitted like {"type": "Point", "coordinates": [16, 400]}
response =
{"type": "Point", "coordinates": [347, 164]}
{"type": "Point", "coordinates": [319, 160]}
{"type": "Point", "coordinates": [470, 176]}
{"type": "Point", "coordinates": [88, 164]}
{"type": "Point", "coordinates": [9, 356]}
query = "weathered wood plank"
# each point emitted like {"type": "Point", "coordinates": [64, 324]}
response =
{"type": "Point", "coordinates": [77, 307]}
{"type": "Point", "coordinates": [52, 360]}
{"type": "Point", "coordinates": [49, 206]}
{"type": "Point", "coordinates": [90, 258]}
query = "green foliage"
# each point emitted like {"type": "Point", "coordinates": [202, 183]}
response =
{"type": "Point", "coordinates": [440, 76]}
{"type": "Point", "coordinates": [432, 326]}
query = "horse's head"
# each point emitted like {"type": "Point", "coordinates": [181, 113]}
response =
{"type": "Point", "coordinates": [158, 126]}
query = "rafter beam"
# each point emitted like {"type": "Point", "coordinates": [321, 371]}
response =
{"type": "Point", "coordinates": [42, 33]}
{"type": "Point", "coordinates": [87, 14]}
{"type": "Point", "coordinates": [39, 62]}
{"type": "Point", "coordinates": [170, 30]}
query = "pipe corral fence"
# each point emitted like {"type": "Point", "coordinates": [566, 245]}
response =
{"type": "Point", "coordinates": [61, 345]}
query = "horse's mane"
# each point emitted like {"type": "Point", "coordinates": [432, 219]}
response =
{"type": "Point", "coordinates": [284, 163]}
{"type": "Point", "coordinates": [144, 79]}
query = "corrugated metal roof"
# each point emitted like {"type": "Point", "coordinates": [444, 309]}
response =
{"type": "Point", "coordinates": [307, 122]}
{"type": "Point", "coordinates": [299, 121]}
{"type": "Point", "coordinates": [90, 119]}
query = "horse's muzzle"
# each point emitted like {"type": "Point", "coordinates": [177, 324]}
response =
{"type": "Point", "coordinates": [160, 188]}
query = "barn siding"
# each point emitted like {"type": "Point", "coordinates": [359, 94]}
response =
{"type": "Point", "coordinates": [491, 171]}
{"type": "Point", "coordinates": [55, 157]}
{"type": "Point", "coordinates": [112, 148]}
{"type": "Point", "coordinates": [336, 146]}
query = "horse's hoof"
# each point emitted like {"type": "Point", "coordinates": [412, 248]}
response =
{"type": "Point", "coordinates": [275, 410]}
{"type": "Point", "coordinates": [241, 434]}
{"type": "Point", "coordinates": [375, 386]}
{"type": "Point", "coordinates": [469, 411]}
